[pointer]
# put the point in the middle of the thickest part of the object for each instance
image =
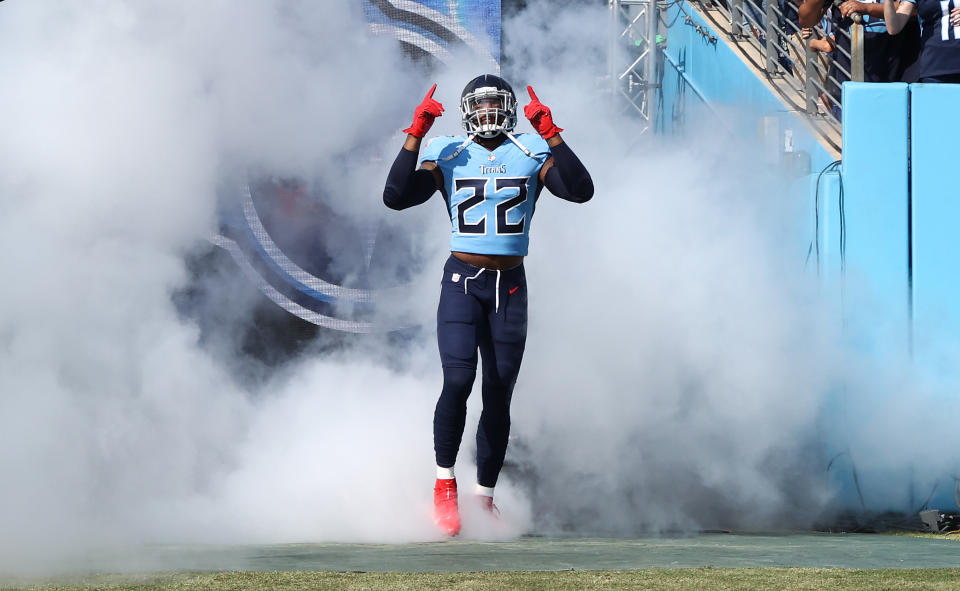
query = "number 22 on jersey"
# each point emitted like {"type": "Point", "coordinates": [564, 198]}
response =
{"type": "Point", "coordinates": [479, 201]}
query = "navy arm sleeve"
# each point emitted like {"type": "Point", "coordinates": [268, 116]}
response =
{"type": "Point", "coordinates": [568, 177]}
{"type": "Point", "coordinates": [406, 186]}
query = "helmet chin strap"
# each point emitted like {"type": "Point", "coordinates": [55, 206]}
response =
{"type": "Point", "coordinates": [465, 143]}
{"type": "Point", "coordinates": [472, 135]}
{"type": "Point", "coordinates": [519, 145]}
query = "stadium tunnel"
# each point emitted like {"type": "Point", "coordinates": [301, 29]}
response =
{"type": "Point", "coordinates": [669, 62]}
{"type": "Point", "coordinates": [315, 274]}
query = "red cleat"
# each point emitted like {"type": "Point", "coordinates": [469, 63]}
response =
{"type": "Point", "coordinates": [486, 503]}
{"type": "Point", "coordinates": [445, 511]}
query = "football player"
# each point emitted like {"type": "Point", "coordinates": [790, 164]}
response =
{"type": "Point", "coordinates": [490, 180]}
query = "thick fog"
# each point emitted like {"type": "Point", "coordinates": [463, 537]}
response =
{"type": "Point", "coordinates": [684, 369]}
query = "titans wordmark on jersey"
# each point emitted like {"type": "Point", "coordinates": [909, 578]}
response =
{"type": "Point", "coordinates": [490, 195]}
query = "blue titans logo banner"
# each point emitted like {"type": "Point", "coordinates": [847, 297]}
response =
{"type": "Point", "coordinates": [309, 261]}
{"type": "Point", "coordinates": [433, 29]}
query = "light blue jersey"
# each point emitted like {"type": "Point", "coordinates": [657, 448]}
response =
{"type": "Point", "coordinates": [490, 195]}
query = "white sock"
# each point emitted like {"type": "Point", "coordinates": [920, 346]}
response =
{"type": "Point", "coordinates": [445, 473]}
{"type": "Point", "coordinates": [486, 491]}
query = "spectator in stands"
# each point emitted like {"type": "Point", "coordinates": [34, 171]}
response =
{"type": "Point", "coordinates": [887, 56]}
{"type": "Point", "coordinates": [819, 43]}
{"type": "Point", "coordinates": [940, 35]}
{"type": "Point", "coordinates": [819, 39]}
{"type": "Point", "coordinates": [821, 46]}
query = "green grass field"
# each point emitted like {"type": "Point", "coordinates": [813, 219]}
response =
{"type": "Point", "coordinates": [745, 579]}
{"type": "Point", "coordinates": [803, 548]}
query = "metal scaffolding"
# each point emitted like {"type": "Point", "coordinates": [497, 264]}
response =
{"type": "Point", "coordinates": [807, 81]}
{"type": "Point", "coordinates": [631, 57]}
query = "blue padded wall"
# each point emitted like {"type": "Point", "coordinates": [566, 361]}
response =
{"type": "Point", "coordinates": [936, 222]}
{"type": "Point", "coordinates": [825, 189]}
{"type": "Point", "coordinates": [876, 210]}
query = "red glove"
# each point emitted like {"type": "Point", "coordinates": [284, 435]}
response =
{"type": "Point", "coordinates": [424, 115]}
{"type": "Point", "coordinates": [540, 117]}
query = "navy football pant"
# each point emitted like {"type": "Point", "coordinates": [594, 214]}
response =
{"type": "Point", "coordinates": [477, 314]}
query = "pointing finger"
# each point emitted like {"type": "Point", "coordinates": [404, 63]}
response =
{"type": "Point", "coordinates": [430, 92]}
{"type": "Point", "coordinates": [532, 94]}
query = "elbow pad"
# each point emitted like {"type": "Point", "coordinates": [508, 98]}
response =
{"type": "Point", "coordinates": [568, 177]}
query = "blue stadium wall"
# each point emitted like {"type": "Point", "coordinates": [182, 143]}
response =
{"type": "Point", "coordinates": [702, 75]}
{"type": "Point", "coordinates": [889, 237]}
{"type": "Point", "coordinates": [703, 78]}
{"type": "Point", "coordinates": [885, 221]}
{"type": "Point", "coordinates": [902, 208]}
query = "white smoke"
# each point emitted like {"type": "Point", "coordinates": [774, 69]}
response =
{"type": "Point", "coordinates": [685, 368]}
{"type": "Point", "coordinates": [677, 361]}
{"type": "Point", "coordinates": [120, 123]}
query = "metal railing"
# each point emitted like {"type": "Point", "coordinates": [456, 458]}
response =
{"type": "Point", "coordinates": [807, 80]}
{"type": "Point", "coordinates": [813, 75]}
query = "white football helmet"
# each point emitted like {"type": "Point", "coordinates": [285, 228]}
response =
{"type": "Point", "coordinates": [488, 106]}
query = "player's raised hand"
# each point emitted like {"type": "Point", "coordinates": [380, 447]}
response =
{"type": "Point", "coordinates": [425, 113]}
{"type": "Point", "coordinates": [540, 116]}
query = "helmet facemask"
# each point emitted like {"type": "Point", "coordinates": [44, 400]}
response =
{"type": "Point", "coordinates": [489, 111]}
